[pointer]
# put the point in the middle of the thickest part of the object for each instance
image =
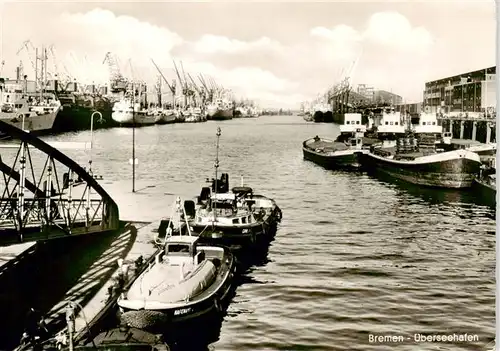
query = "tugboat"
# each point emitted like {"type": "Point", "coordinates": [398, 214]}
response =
{"type": "Point", "coordinates": [234, 218]}
{"type": "Point", "coordinates": [187, 280]}
{"type": "Point", "coordinates": [422, 164]}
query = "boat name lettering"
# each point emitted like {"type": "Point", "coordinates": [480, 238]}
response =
{"type": "Point", "coordinates": [182, 311]}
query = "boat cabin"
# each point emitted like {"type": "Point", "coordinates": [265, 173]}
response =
{"type": "Point", "coordinates": [355, 142]}
{"type": "Point", "coordinates": [428, 124]}
{"type": "Point", "coordinates": [352, 123]}
{"type": "Point", "coordinates": [179, 248]}
{"type": "Point", "coordinates": [226, 209]}
{"type": "Point", "coordinates": [391, 122]}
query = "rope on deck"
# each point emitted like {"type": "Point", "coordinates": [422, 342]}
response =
{"type": "Point", "coordinates": [144, 319]}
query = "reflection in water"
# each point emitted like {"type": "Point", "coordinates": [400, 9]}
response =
{"type": "Point", "coordinates": [461, 201]}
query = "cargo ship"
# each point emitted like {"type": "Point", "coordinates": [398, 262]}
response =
{"type": "Point", "coordinates": [77, 111]}
{"type": "Point", "coordinates": [23, 107]}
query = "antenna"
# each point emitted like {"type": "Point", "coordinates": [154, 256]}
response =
{"type": "Point", "coordinates": [216, 166]}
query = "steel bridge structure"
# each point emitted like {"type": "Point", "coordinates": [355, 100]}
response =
{"type": "Point", "coordinates": [46, 195]}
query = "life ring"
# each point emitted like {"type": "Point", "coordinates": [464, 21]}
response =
{"type": "Point", "coordinates": [427, 109]}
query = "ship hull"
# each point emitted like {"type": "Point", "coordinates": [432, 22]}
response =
{"type": "Point", "coordinates": [74, 118]}
{"type": "Point", "coordinates": [487, 192]}
{"type": "Point", "coordinates": [129, 119]}
{"type": "Point", "coordinates": [341, 159]}
{"type": "Point", "coordinates": [37, 124]}
{"type": "Point", "coordinates": [221, 115]}
{"type": "Point", "coordinates": [349, 159]}
{"type": "Point", "coordinates": [455, 169]}
{"type": "Point", "coordinates": [167, 119]}
{"type": "Point", "coordinates": [236, 238]}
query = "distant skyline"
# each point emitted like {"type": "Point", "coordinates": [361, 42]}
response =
{"type": "Point", "coordinates": [278, 54]}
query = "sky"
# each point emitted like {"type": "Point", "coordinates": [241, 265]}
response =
{"type": "Point", "coordinates": [276, 53]}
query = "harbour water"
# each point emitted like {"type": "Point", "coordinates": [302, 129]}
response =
{"type": "Point", "coordinates": [354, 255]}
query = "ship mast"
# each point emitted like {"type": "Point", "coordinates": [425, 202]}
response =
{"type": "Point", "coordinates": [216, 166]}
{"type": "Point", "coordinates": [133, 137]}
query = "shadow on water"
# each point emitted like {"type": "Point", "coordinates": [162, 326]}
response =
{"type": "Point", "coordinates": [434, 196]}
{"type": "Point", "coordinates": [63, 269]}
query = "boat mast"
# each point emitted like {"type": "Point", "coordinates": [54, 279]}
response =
{"type": "Point", "coordinates": [216, 166]}
{"type": "Point", "coordinates": [133, 137]}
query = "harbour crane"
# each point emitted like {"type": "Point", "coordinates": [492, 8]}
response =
{"type": "Point", "coordinates": [170, 86]}
{"type": "Point", "coordinates": [28, 46]}
{"type": "Point", "coordinates": [200, 92]}
{"type": "Point", "coordinates": [184, 86]}
{"type": "Point", "coordinates": [116, 79]}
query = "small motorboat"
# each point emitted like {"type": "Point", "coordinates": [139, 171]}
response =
{"type": "Point", "coordinates": [186, 280]}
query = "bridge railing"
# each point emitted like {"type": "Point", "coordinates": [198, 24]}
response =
{"type": "Point", "coordinates": [43, 188]}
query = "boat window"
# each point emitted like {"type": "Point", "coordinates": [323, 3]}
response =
{"type": "Point", "coordinates": [357, 122]}
{"type": "Point", "coordinates": [353, 142]}
{"type": "Point", "coordinates": [178, 248]}
{"type": "Point", "coordinates": [235, 221]}
{"type": "Point", "coordinates": [243, 220]}
{"type": "Point", "coordinates": [433, 123]}
{"type": "Point", "coordinates": [347, 122]}
{"type": "Point", "coordinates": [386, 123]}
{"type": "Point", "coordinates": [249, 219]}
{"type": "Point", "coordinates": [392, 123]}
{"type": "Point", "coordinates": [396, 123]}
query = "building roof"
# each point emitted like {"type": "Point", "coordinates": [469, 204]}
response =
{"type": "Point", "coordinates": [489, 70]}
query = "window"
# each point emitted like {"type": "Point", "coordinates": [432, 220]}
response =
{"type": "Point", "coordinates": [357, 122]}
{"type": "Point", "coordinates": [243, 220]}
{"type": "Point", "coordinates": [392, 123]}
{"type": "Point", "coordinates": [433, 123]}
{"type": "Point", "coordinates": [386, 123]}
{"type": "Point", "coordinates": [396, 123]}
{"type": "Point", "coordinates": [347, 122]}
{"type": "Point", "coordinates": [423, 123]}
{"type": "Point", "coordinates": [178, 248]}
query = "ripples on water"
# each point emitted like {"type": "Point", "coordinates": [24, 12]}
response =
{"type": "Point", "coordinates": [354, 255]}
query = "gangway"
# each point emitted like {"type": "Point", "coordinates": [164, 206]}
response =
{"type": "Point", "coordinates": [46, 195]}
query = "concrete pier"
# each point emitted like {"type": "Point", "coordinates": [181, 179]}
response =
{"type": "Point", "coordinates": [471, 125]}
